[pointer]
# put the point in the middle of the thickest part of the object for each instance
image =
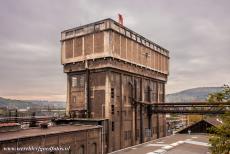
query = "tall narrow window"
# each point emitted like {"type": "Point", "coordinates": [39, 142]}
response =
{"type": "Point", "coordinates": [112, 109]}
{"type": "Point", "coordinates": [112, 92]}
{"type": "Point", "coordinates": [82, 149]}
{"type": "Point", "coordinates": [74, 99]}
{"type": "Point", "coordinates": [94, 148]}
{"type": "Point", "coordinates": [112, 125]}
{"type": "Point", "coordinates": [82, 81]}
{"type": "Point", "coordinates": [74, 81]}
{"type": "Point", "coordinates": [147, 93]}
{"type": "Point", "coordinates": [161, 92]}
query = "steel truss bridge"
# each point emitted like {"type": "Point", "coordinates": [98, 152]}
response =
{"type": "Point", "coordinates": [186, 107]}
{"type": "Point", "coordinates": [156, 108]}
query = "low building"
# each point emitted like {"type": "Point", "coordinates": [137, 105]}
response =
{"type": "Point", "coordinates": [80, 139]}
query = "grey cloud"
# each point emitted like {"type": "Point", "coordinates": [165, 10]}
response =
{"type": "Point", "coordinates": [196, 33]}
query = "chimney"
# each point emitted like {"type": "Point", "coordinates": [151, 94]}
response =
{"type": "Point", "coordinates": [120, 19]}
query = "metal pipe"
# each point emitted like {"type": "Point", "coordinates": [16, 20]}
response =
{"type": "Point", "coordinates": [88, 93]}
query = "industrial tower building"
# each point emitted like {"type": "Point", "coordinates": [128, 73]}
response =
{"type": "Point", "coordinates": [110, 70]}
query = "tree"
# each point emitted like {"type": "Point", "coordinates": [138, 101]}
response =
{"type": "Point", "coordinates": [220, 135]}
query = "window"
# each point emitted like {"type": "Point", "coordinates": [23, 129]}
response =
{"type": "Point", "coordinates": [94, 148]}
{"type": "Point", "coordinates": [112, 92]}
{"type": "Point", "coordinates": [112, 109]}
{"type": "Point", "coordinates": [97, 27]}
{"type": "Point", "coordinates": [137, 133]}
{"type": "Point", "coordinates": [128, 34]}
{"type": "Point", "coordinates": [74, 99]}
{"type": "Point", "coordinates": [125, 113]}
{"type": "Point", "coordinates": [127, 135]}
{"type": "Point", "coordinates": [124, 98]}
{"type": "Point", "coordinates": [122, 31]}
{"type": "Point", "coordinates": [133, 36]}
{"type": "Point", "coordinates": [78, 81]}
{"type": "Point", "coordinates": [147, 43]}
{"type": "Point", "coordinates": [81, 149]}
{"type": "Point", "coordinates": [154, 92]}
{"type": "Point", "coordinates": [79, 32]}
{"type": "Point", "coordinates": [69, 33]}
{"type": "Point", "coordinates": [147, 94]}
{"type": "Point", "coordinates": [82, 81]}
{"type": "Point", "coordinates": [138, 39]}
{"type": "Point", "coordinates": [148, 132]}
{"type": "Point", "coordinates": [112, 125]}
{"type": "Point", "coordinates": [74, 81]}
{"type": "Point", "coordinates": [151, 46]}
{"type": "Point", "coordinates": [161, 92]}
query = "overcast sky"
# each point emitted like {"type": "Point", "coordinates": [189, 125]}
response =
{"type": "Point", "coordinates": [196, 32]}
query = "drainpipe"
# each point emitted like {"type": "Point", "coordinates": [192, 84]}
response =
{"type": "Point", "coordinates": [141, 115]}
{"type": "Point", "coordinates": [102, 139]}
{"type": "Point", "coordinates": [88, 89]}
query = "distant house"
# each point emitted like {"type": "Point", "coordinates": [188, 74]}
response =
{"type": "Point", "coordinates": [201, 126]}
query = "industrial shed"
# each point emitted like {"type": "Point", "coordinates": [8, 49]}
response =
{"type": "Point", "coordinates": [201, 126]}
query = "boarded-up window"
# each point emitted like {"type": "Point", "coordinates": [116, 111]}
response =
{"type": "Point", "coordinates": [123, 47]}
{"type": "Point", "coordinates": [80, 100]}
{"type": "Point", "coordinates": [157, 61]}
{"type": "Point", "coordinates": [147, 93]}
{"type": "Point", "coordinates": [78, 81]}
{"type": "Point", "coordinates": [78, 47]}
{"type": "Point", "coordinates": [129, 49]}
{"type": "Point", "coordinates": [148, 132]}
{"type": "Point", "coordinates": [163, 63]}
{"type": "Point", "coordinates": [143, 55]}
{"type": "Point", "coordinates": [81, 150]}
{"type": "Point", "coordinates": [160, 62]}
{"type": "Point", "coordinates": [116, 43]}
{"type": "Point", "coordinates": [94, 148]}
{"type": "Point", "coordinates": [154, 92]}
{"type": "Point", "coordinates": [69, 49]}
{"type": "Point", "coordinates": [127, 135]}
{"type": "Point", "coordinates": [161, 92]}
{"type": "Point", "coordinates": [135, 51]}
{"type": "Point", "coordinates": [152, 59]}
{"type": "Point", "coordinates": [74, 81]}
{"type": "Point", "coordinates": [99, 42]}
{"type": "Point", "coordinates": [140, 55]}
{"type": "Point", "coordinates": [88, 44]}
{"type": "Point", "coordinates": [167, 65]}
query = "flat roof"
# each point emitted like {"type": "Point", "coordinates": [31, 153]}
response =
{"type": "Point", "coordinates": [33, 132]}
{"type": "Point", "coordinates": [174, 144]}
